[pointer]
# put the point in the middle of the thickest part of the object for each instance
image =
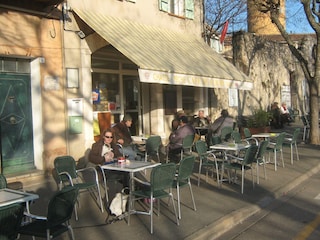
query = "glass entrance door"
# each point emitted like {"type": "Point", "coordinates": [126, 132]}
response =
{"type": "Point", "coordinates": [132, 101]}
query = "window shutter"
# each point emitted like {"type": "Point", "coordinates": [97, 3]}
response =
{"type": "Point", "coordinates": [189, 6]}
{"type": "Point", "coordinates": [164, 5]}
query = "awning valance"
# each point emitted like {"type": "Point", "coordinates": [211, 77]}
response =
{"type": "Point", "coordinates": [167, 57]}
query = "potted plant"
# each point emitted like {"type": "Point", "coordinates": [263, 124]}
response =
{"type": "Point", "coordinates": [259, 121]}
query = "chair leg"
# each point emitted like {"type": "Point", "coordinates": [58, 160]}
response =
{"type": "Point", "coordinates": [291, 153]}
{"type": "Point", "coordinates": [297, 151]}
{"type": "Point", "coordinates": [252, 177]}
{"type": "Point", "coordinates": [242, 180]}
{"type": "Point", "coordinates": [264, 167]}
{"type": "Point", "coordinates": [178, 200]}
{"type": "Point", "coordinates": [71, 231]}
{"type": "Point", "coordinates": [275, 160]}
{"type": "Point", "coordinates": [281, 155]}
{"type": "Point", "coordinates": [151, 214]}
{"type": "Point", "coordinates": [175, 210]}
{"type": "Point", "coordinates": [192, 197]}
{"type": "Point", "coordinates": [257, 166]}
{"type": "Point", "coordinates": [104, 183]}
{"type": "Point", "coordinates": [218, 178]}
{"type": "Point", "coordinates": [200, 165]}
{"type": "Point", "coordinates": [99, 195]}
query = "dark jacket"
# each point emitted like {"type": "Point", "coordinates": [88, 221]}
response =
{"type": "Point", "coordinates": [96, 150]}
{"type": "Point", "coordinates": [177, 136]}
{"type": "Point", "coordinates": [121, 131]}
{"type": "Point", "coordinates": [220, 123]}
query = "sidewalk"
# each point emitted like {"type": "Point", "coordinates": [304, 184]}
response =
{"type": "Point", "coordinates": [218, 209]}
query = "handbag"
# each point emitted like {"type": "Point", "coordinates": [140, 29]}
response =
{"type": "Point", "coordinates": [118, 203]}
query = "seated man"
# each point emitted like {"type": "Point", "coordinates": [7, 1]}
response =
{"type": "Point", "coordinates": [201, 121]}
{"type": "Point", "coordinates": [176, 138]}
{"type": "Point", "coordinates": [123, 137]}
{"type": "Point", "coordinates": [215, 128]}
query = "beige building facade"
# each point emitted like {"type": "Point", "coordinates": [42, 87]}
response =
{"type": "Point", "coordinates": [88, 63]}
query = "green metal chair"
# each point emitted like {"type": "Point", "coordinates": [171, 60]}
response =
{"type": "Point", "coordinates": [3, 181]}
{"type": "Point", "coordinates": [292, 142]}
{"type": "Point", "coordinates": [208, 160]}
{"type": "Point", "coordinates": [275, 147]}
{"type": "Point", "coordinates": [56, 222]}
{"type": "Point", "coordinates": [236, 137]}
{"type": "Point", "coordinates": [160, 185]}
{"type": "Point", "coordinates": [187, 144]}
{"type": "Point", "coordinates": [226, 133]}
{"type": "Point", "coordinates": [152, 146]}
{"type": "Point", "coordinates": [10, 220]}
{"type": "Point", "coordinates": [185, 170]}
{"type": "Point", "coordinates": [242, 164]}
{"type": "Point", "coordinates": [261, 158]}
{"type": "Point", "coordinates": [84, 179]}
{"type": "Point", "coordinates": [248, 136]}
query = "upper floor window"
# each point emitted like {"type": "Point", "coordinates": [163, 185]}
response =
{"type": "Point", "coordinates": [183, 8]}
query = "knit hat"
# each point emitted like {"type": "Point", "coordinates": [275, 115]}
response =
{"type": "Point", "coordinates": [127, 117]}
{"type": "Point", "coordinates": [183, 119]}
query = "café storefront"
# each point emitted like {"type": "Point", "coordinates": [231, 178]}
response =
{"type": "Point", "coordinates": [151, 72]}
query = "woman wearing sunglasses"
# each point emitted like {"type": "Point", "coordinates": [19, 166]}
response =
{"type": "Point", "coordinates": [105, 150]}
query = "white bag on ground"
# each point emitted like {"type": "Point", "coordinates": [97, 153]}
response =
{"type": "Point", "coordinates": [115, 206]}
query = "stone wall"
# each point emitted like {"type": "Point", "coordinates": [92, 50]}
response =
{"type": "Point", "coordinates": [270, 65]}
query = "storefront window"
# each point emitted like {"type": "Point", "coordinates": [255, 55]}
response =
{"type": "Point", "coordinates": [188, 100]}
{"type": "Point", "coordinates": [105, 92]}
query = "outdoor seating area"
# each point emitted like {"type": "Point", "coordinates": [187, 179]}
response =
{"type": "Point", "coordinates": [226, 162]}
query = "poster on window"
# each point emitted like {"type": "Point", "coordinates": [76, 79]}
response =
{"type": "Point", "coordinates": [233, 97]}
{"type": "Point", "coordinates": [286, 95]}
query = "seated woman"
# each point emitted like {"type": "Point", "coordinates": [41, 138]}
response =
{"type": "Point", "coordinates": [285, 114]}
{"type": "Point", "coordinates": [104, 151]}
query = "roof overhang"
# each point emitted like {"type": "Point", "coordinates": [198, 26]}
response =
{"type": "Point", "coordinates": [41, 8]}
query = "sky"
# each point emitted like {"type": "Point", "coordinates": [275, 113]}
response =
{"type": "Point", "coordinates": [296, 21]}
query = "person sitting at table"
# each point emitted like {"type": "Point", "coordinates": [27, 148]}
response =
{"type": "Point", "coordinates": [104, 151]}
{"type": "Point", "coordinates": [215, 128]}
{"type": "Point", "coordinates": [201, 121]}
{"type": "Point", "coordinates": [123, 137]}
{"type": "Point", "coordinates": [276, 116]}
{"type": "Point", "coordinates": [176, 138]}
{"type": "Point", "coordinates": [285, 114]}
{"type": "Point", "coordinates": [176, 121]}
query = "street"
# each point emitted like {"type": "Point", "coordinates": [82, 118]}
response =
{"type": "Point", "coordinates": [295, 216]}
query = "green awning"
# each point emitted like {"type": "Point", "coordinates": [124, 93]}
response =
{"type": "Point", "coordinates": [167, 57]}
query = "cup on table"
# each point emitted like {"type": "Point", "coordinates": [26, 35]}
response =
{"type": "Point", "coordinates": [121, 160]}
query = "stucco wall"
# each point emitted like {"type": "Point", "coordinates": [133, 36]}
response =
{"type": "Point", "coordinates": [146, 12]}
{"type": "Point", "coordinates": [34, 37]}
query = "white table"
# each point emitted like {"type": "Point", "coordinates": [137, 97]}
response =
{"type": "Point", "coordinates": [9, 196]}
{"type": "Point", "coordinates": [131, 167]}
{"type": "Point", "coordinates": [265, 135]}
{"type": "Point", "coordinates": [228, 147]}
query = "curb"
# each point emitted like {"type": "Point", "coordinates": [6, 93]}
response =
{"type": "Point", "coordinates": [224, 224]}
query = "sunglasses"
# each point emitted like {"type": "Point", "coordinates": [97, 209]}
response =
{"type": "Point", "coordinates": [108, 136]}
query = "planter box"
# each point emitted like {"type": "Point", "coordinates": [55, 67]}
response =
{"type": "Point", "coordinates": [255, 130]}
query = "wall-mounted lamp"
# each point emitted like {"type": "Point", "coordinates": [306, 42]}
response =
{"type": "Point", "coordinates": [81, 34]}
{"type": "Point", "coordinates": [67, 19]}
